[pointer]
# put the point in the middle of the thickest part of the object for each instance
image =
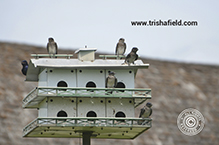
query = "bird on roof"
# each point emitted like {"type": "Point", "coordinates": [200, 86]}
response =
{"type": "Point", "coordinates": [25, 67]}
{"type": "Point", "coordinates": [111, 80]}
{"type": "Point", "coordinates": [146, 112]}
{"type": "Point", "coordinates": [52, 47]}
{"type": "Point", "coordinates": [120, 47]}
{"type": "Point", "coordinates": [132, 56]}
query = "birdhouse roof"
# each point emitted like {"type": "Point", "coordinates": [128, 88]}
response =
{"type": "Point", "coordinates": [37, 65]}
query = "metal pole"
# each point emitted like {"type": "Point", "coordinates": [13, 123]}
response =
{"type": "Point", "coordinates": [86, 137]}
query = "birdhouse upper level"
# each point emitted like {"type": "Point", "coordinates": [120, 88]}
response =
{"type": "Point", "coordinates": [86, 71]}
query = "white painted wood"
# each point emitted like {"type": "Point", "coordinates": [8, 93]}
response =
{"type": "Point", "coordinates": [79, 107]}
{"type": "Point", "coordinates": [86, 54]}
{"type": "Point", "coordinates": [86, 75]}
{"type": "Point", "coordinates": [43, 108]}
{"type": "Point", "coordinates": [43, 78]}
{"type": "Point", "coordinates": [56, 75]}
{"type": "Point", "coordinates": [91, 104]}
{"type": "Point", "coordinates": [56, 104]}
{"type": "Point", "coordinates": [114, 105]}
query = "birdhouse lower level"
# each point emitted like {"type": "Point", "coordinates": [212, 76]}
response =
{"type": "Point", "coordinates": [92, 109]}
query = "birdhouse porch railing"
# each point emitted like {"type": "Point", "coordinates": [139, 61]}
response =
{"type": "Point", "coordinates": [38, 94]}
{"type": "Point", "coordinates": [49, 55]}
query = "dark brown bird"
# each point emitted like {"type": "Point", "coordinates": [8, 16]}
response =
{"type": "Point", "coordinates": [111, 81]}
{"type": "Point", "coordinates": [25, 67]}
{"type": "Point", "coordinates": [120, 47]}
{"type": "Point", "coordinates": [132, 56]}
{"type": "Point", "coordinates": [146, 112]}
{"type": "Point", "coordinates": [52, 47]}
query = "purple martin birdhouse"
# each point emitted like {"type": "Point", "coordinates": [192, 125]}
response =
{"type": "Point", "coordinates": [85, 95]}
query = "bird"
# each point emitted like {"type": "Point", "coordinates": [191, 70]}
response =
{"type": "Point", "coordinates": [120, 47]}
{"type": "Point", "coordinates": [25, 67]}
{"type": "Point", "coordinates": [132, 56]}
{"type": "Point", "coordinates": [146, 112]}
{"type": "Point", "coordinates": [111, 80]}
{"type": "Point", "coordinates": [52, 47]}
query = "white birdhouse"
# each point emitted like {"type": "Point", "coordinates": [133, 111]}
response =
{"type": "Point", "coordinates": [71, 97]}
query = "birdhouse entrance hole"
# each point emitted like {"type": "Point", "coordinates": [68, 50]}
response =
{"type": "Point", "coordinates": [120, 85]}
{"type": "Point", "coordinates": [120, 114]}
{"type": "Point", "coordinates": [62, 84]}
{"type": "Point", "coordinates": [91, 114]}
{"type": "Point", "coordinates": [91, 85]}
{"type": "Point", "coordinates": [62, 114]}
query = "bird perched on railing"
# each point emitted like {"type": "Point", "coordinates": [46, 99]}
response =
{"type": "Point", "coordinates": [120, 47]}
{"type": "Point", "coordinates": [146, 112]}
{"type": "Point", "coordinates": [111, 80]}
{"type": "Point", "coordinates": [25, 67]}
{"type": "Point", "coordinates": [132, 56]}
{"type": "Point", "coordinates": [52, 47]}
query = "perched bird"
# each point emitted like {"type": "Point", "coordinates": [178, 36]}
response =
{"type": "Point", "coordinates": [120, 47]}
{"type": "Point", "coordinates": [132, 56]}
{"type": "Point", "coordinates": [111, 80]}
{"type": "Point", "coordinates": [52, 47]}
{"type": "Point", "coordinates": [146, 112]}
{"type": "Point", "coordinates": [25, 67]}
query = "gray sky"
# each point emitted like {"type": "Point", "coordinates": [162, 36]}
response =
{"type": "Point", "coordinates": [99, 24]}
